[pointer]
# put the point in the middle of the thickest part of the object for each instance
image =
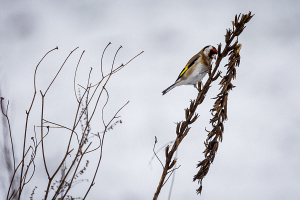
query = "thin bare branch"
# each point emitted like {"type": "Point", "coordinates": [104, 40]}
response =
{"type": "Point", "coordinates": [75, 76]}
{"type": "Point", "coordinates": [155, 153]}
{"type": "Point", "coordinates": [26, 123]}
{"type": "Point", "coordinates": [107, 97]}
{"type": "Point", "coordinates": [60, 126]}
{"type": "Point", "coordinates": [59, 71]}
{"type": "Point", "coordinates": [101, 151]}
{"type": "Point", "coordinates": [42, 136]}
{"type": "Point", "coordinates": [101, 66]}
{"type": "Point", "coordinates": [9, 130]}
{"type": "Point", "coordinates": [78, 118]}
{"type": "Point", "coordinates": [75, 171]}
{"type": "Point", "coordinates": [171, 172]}
{"type": "Point", "coordinates": [118, 69]}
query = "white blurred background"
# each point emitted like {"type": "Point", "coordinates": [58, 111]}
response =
{"type": "Point", "coordinates": [259, 157]}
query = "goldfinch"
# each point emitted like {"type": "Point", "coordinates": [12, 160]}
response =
{"type": "Point", "coordinates": [196, 68]}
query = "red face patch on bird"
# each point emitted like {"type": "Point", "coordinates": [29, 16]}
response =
{"type": "Point", "coordinates": [213, 53]}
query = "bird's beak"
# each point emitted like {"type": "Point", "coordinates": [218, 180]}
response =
{"type": "Point", "coordinates": [214, 56]}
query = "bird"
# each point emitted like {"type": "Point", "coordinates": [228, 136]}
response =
{"type": "Point", "coordinates": [196, 68]}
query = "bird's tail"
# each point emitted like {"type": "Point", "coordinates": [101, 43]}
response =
{"type": "Point", "coordinates": [169, 88]}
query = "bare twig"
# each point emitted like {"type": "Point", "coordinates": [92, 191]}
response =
{"type": "Point", "coordinates": [26, 124]}
{"type": "Point", "coordinates": [75, 76]}
{"type": "Point", "coordinates": [101, 150]}
{"type": "Point", "coordinates": [155, 152]}
{"type": "Point", "coordinates": [86, 128]}
{"type": "Point", "coordinates": [42, 136]}
{"type": "Point", "coordinates": [9, 130]}
{"type": "Point", "coordinates": [59, 70]}
{"type": "Point", "coordinates": [60, 126]}
{"type": "Point", "coordinates": [101, 66]}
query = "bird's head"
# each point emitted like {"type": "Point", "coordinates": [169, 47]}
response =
{"type": "Point", "coordinates": [210, 51]}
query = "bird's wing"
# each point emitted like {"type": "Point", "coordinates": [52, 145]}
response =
{"type": "Point", "coordinates": [188, 65]}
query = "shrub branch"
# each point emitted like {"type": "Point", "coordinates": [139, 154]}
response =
{"type": "Point", "coordinates": [78, 149]}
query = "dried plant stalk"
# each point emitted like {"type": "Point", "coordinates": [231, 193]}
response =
{"type": "Point", "coordinates": [219, 110]}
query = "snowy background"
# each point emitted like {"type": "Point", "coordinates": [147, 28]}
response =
{"type": "Point", "coordinates": [259, 157]}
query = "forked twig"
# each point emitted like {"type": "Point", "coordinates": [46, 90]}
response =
{"type": "Point", "coordinates": [60, 70]}
{"type": "Point", "coordinates": [155, 152]}
{"type": "Point", "coordinates": [75, 76]}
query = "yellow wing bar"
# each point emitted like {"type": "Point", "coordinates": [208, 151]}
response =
{"type": "Point", "coordinates": [188, 65]}
{"type": "Point", "coordinates": [184, 70]}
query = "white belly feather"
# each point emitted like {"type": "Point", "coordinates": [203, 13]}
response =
{"type": "Point", "coordinates": [197, 75]}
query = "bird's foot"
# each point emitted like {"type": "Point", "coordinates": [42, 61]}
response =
{"type": "Point", "coordinates": [198, 86]}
